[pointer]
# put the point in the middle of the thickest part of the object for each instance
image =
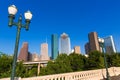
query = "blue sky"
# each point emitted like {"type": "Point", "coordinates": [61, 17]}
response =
{"type": "Point", "coordinates": [75, 17]}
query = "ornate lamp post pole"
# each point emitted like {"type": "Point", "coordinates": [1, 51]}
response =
{"type": "Point", "coordinates": [12, 10]}
{"type": "Point", "coordinates": [101, 42]}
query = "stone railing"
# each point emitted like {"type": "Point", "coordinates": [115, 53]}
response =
{"type": "Point", "coordinates": [82, 75]}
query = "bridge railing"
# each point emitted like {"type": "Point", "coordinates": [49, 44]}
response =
{"type": "Point", "coordinates": [81, 75]}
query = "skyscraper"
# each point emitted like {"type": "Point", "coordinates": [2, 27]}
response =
{"type": "Point", "coordinates": [23, 55]}
{"type": "Point", "coordinates": [93, 41]}
{"type": "Point", "coordinates": [54, 46]}
{"type": "Point", "coordinates": [109, 45]}
{"type": "Point", "coordinates": [77, 49]}
{"type": "Point", "coordinates": [93, 44]}
{"type": "Point", "coordinates": [64, 44]}
{"type": "Point", "coordinates": [44, 52]}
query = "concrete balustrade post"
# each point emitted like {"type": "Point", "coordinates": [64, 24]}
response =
{"type": "Point", "coordinates": [38, 69]}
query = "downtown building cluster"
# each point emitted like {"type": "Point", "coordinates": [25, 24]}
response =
{"type": "Point", "coordinates": [93, 44]}
{"type": "Point", "coordinates": [62, 45]}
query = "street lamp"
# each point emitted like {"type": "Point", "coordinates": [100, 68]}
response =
{"type": "Point", "coordinates": [101, 42]}
{"type": "Point", "coordinates": [12, 10]}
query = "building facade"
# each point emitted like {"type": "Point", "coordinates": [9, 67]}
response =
{"type": "Point", "coordinates": [44, 52]}
{"type": "Point", "coordinates": [109, 45]}
{"type": "Point", "coordinates": [29, 56]}
{"type": "Point", "coordinates": [93, 44]}
{"type": "Point", "coordinates": [64, 44]}
{"type": "Point", "coordinates": [93, 41]}
{"type": "Point", "coordinates": [77, 49]}
{"type": "Point", "coordinates": [23, 55]}
{"type": "Point", "coordinates": [35, 57]}
{"type": "Point", "coordinates": [54, 46]}
{"type": "Point", "coordinates": [87, 48]}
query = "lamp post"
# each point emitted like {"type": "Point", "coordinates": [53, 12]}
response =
{"type": "Point", "coordinates": [101, 42]}
{"type": "Point", "coordinates": [12, 10]}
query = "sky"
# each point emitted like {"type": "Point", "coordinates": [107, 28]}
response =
{"type": "Point", "coordinates": [77, 18]}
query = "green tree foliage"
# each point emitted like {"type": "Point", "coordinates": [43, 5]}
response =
{"type": "Point", "coordinates": [95, 60]}
{"type": "Point", "coordinates": [50, 69]}
{"type": "Point", "coordinates": [60, 65]}
{"type": "Point", "coordinates": [29, 70]}
{"type": "Point", "coordinates": [76, 62]}
{"type": "Point", "coordinates": [63, 64]}
{"type": "Point", "coordinates": [21, 70]}
{"type": "Point", "coordinates": [5, 65]}
{"type": "Point", "coordinates": [115, 60]}
{"type": "Point", "coordinates": [32, 72]}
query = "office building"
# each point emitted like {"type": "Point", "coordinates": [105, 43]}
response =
{"type": "Point", "coordinates": [109, 45]}
{"type": "Point", "coordinates": [87, 48]}
{"type": "Point", "coordinates": [44, 52]}
{"type": "Point", "coordinates": [29, 56]}
{"type": "Point", "coordinates": [35, 57]}
{"type": "Point", "coordinates": [54, 46]}
{"type": "Point", "coordinates": [64, 44]}
{"type": "Point", "coordinates": [93, 41]}
{"type": "Point", "coordinates": [93, 44]}
{"type": "Point", "coordinates": [77, 49]}
{"type": "Point", "coordinates": [23, 55]}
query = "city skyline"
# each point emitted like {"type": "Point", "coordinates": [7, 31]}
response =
{"type": "Point", "coordinates": [76, 18]}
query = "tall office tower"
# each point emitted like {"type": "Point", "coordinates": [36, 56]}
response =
{"type": "Point", "coordinates": [109, 45]}
{"type": "Point", "coordinates": [35, 57]}
{"type": "Point", "coordinates": [23, 55]}
{"type": "Point", "coordinates": [44, 52]}
{"type": "Point", "coordinates": [87, 48]}
{"type": "Point", "coordinates": [54, 46]}
{"type": "Point", "coordinates": [64, 45]}
{"type": "Point", "coordinates": [93, 41]}
{"type": "Point", "coordinates": [77, 49]}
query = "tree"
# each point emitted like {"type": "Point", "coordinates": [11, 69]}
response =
{"type": "Point", "coordinates": [76, 62]}
{"type": "Point", "coordinates": [60, 65]}
{"type": "Point", "coordinates": [20, 70]}
{"type": "Point", "coordinates": [32, 72]}
{"type": "Point", "coordinates": [95, 60]}
{"type": "Point", "coordinates": [50, 69]}
{"type": "Point", "coordinates": [115, 59]}
{"type": "Point", "coordinates": [63, 63]}
{"type": "Point", "coordinates": [5, 65]}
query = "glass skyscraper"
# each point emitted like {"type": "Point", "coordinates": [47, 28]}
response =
{"type": "Point", "coordinates": [109, 45]}
{"type": "Point", "coordinates": [64, 44]}
{"type": "Point", "coordinates": [54, 46]}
